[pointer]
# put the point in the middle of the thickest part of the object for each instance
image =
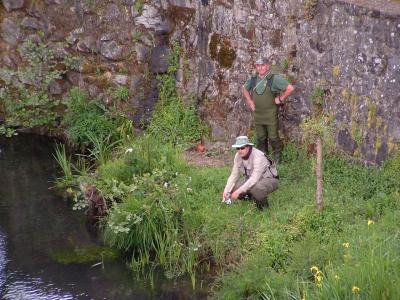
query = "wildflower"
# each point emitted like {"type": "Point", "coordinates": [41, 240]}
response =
{"type": "Point", "coordinates": [129, 150]}
{"type": "Point", "coordinates": [166, 184]}
{"type": "Point", "coordinates": [189, 190]}
{"type": "Point", "coordinates": [318, 279]}
{"type": "Point", "coordinates": [346, 245]}
{"type": "Point", "coordinates": [355, 289]}
{"type": "Point", "coordinates": [370, 222]}
{"type": "Point", "coordinates": [317, 275]}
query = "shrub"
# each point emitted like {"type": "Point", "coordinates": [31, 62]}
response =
{"type": "Point", "coordinates": [86, 118]}
{"type": "Point", "coordinates": [172, 120]}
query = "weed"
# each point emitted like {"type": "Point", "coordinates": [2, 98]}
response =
{"type": "Point", "coordinates": [85, 118]}
{"type": "Point", "coordinates": [139, 5]}
{"type": "Point", "coordinates": [25, 98]}
{"type": "Point", "coordinates": [286, 64]}
{"type": "Point", "coordinates": [310, 9]}
{"type": "Point", "coordinates": [172, 120]}
{"type": "Point", "coordinates": [121, 93]}
{"type": "Point", "coordinates": [7, 131]}
{"type": "Point", "coordinates": [65, 163]}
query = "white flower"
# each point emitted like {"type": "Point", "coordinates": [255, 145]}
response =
{"type": "Point", "coordinates": [129, 150]}
{"type": "Point", "coordinates": [166, 184]}
{"type": "Point", "coordinates": [189, 190]}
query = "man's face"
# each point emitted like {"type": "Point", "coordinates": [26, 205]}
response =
{"type": "Point", "coordinates": [262, 69]}
{"type": "Point", "coordinates": [243, 151]}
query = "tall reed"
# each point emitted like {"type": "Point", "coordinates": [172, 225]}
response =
{"type": "Point", "coordinates": [65, 164]}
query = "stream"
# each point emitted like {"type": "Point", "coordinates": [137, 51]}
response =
{"type": "Point", "coordinates": [37, 224]}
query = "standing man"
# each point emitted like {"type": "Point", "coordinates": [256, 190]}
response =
{"type": "Point", "coordinates": [253, 174]}
{"type": "Point", "coordinates": [264, 92]}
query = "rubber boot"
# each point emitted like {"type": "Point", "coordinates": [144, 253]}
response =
{"type": "Point", "coordinates": [262, 145]}
{"type": "Point", "coordinates": [261, 204]}
{"type": "Point", "coordinates": [277, 148]}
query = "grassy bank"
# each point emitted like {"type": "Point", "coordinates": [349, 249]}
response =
{"type": "Point", "coordinates": [168, 214]}
{"type": "Point", "coordinates": [349, 251]}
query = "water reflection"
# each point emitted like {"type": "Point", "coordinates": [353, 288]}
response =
{"type": "Point", "coordinates": [35, 224]}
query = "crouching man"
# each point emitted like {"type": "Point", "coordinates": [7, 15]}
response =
{"type": "Point", "coordinates": [253, 174]}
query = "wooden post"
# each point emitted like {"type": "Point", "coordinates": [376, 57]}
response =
{"type": "Point", "coordinates": [319, 173]}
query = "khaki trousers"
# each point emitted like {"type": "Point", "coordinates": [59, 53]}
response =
{"type": "Point", "coordinates": [260, 190]}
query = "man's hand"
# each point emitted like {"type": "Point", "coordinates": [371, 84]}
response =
{"type": "Point", "coordinates": [249, 100]}
{"type": "Point", "coordinates": [225, 195]}
{"type": "Point", "coordinates": [281, 98]}
{"type": "Point", "coordinates": [252, 106]}
{"type": "Point", "coordinates": [235, 195]}
{"type": "Point", "coordinates": [278, 100]}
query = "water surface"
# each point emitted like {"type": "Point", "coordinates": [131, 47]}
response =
{"type": "Point", "coordinates": [36, 223]}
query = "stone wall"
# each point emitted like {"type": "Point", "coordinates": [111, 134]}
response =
{"type": "Point", "coordinates": [349, 51]}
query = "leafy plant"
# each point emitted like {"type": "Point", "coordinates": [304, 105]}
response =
{"type": "Point", "coordinates": [66, 166]}
{"type": "Point", "coordinates": [84, 118]}
{"type": "Point", "coordinates": [318, 96]}
{"type": "Point", "coordinates": [7, 131]}
{"type": "Point", "coordinates": [172, 120]}
{"type": "Point", "coordinates": [139, 5]}
{"type": "Point", "coordinates": [286, 64]}
{"type": "Point", "coordinates": [121, 93]}
{"type": "Point", "coordinates": [102, 148]}
{"type": "Point", "coordinates": [25, 98]}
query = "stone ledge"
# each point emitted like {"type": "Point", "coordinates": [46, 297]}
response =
{"type": "Point", "coordinates": [388, 7]}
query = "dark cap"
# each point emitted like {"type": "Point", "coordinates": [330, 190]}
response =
{"type": "Point", "coordinates": [262, 61]}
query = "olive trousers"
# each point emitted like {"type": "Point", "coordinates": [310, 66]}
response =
{"type": "Point", "coordinates": [269, 132]}
{"type": "Point", "coordinates": [259, 192]}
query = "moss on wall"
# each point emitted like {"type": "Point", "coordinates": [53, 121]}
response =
{"type": "Point", "coordinates": [336, 71]}
{"type": "Point", "coordinates": [392, 146]}
{"type": "Point", "coordinates": [221, 50]}
{"type": "Point", "coordinates": [345, 94]}
{"type": "Point", "coordinates": [378, 145]}
{"type": "Point", "coordinates": [275, 38]}
{"type": "Point", "coordinates": [371, 115]}
{"type": "Point", "coordinates": [180, 14]}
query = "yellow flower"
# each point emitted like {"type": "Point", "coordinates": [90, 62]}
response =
{"type": "Point", "coordinates": [346, 245]}
{"type": "Point", "coordinates": [370, 222]}
{"type": "Point", "coordinates": [355, 289]}
{"type": "Point", "coordinates": [318, 278]}
{"type": "Point", "coordinates": [314, 269]}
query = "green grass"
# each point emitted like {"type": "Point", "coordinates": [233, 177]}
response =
{"type": "Point", "coordinates": [66, 167]}
{"type": "Point", "coordinates": [168, 214]}
{"type": "Point", "coordinates": [297, 237]}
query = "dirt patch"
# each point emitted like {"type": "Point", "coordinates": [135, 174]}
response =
{"type": "Point", "coordinates": [216, 158]}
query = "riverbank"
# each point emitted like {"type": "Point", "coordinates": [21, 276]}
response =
{"type": "Point", "coordinates": [166, 213]}
{"type": "Point", "coordinates": [48, 251]}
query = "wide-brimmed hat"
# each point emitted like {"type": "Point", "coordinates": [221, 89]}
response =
{"type": "Point", "coordinates": [242, 141]}
{"type": "Point", "coordinates": [262, 61]}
